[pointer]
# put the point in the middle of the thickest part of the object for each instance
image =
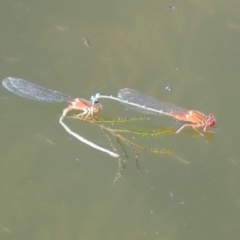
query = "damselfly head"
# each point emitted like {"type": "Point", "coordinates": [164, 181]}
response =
{"type": "Point", "coordinates": [97, 106]}
{"type": "Point", "coordinates": [211, 120]}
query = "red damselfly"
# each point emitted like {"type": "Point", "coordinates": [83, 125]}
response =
{"type": "Point", "coordinates": [142, 103]}
{"type": "Point", "coordinates": [32, 91]}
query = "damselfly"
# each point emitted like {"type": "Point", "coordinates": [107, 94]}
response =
{"type": "Point", "coordinates": [32, 91]}
{"type": "Point", "coordinates": [142, 103]}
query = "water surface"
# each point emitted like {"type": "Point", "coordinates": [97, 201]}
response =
{"type": "Point", "coordinates": [54, 187]}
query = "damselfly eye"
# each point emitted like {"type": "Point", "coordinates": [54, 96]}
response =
{"type": "Point", "coordinates": [211, 120]}
{"type": "Point", "coordinates": [211, 123]}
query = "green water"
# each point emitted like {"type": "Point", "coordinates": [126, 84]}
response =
{"type": "Point", "coordinates": [54, 187]}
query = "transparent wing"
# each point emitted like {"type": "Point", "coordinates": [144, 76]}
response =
{"type": "Point", "coordinates": [26, 89]}
{"type": "Point", "coordinates": [142, 103]}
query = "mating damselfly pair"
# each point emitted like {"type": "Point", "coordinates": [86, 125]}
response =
{"type": "Point", "coordinates": [132, 99]}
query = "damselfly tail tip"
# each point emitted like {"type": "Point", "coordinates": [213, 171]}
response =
{"type": "Point", "coordinates": [94, 97]}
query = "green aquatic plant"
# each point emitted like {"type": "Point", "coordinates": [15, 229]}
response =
{"type": "Point", "coordinates": [129, 129]}
{"type": "Point", "coordinates": [118, 128]}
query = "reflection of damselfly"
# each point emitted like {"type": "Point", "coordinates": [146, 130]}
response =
{"type": "Point", "coordinates": [147, 105]}
{"type": "Point", "coordinates": [32, 91]}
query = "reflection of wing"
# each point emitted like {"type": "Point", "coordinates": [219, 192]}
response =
{"type": "Point", "coordinates": [86, 42]}
{"type": "Point", "coordinates": [173, 6]}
